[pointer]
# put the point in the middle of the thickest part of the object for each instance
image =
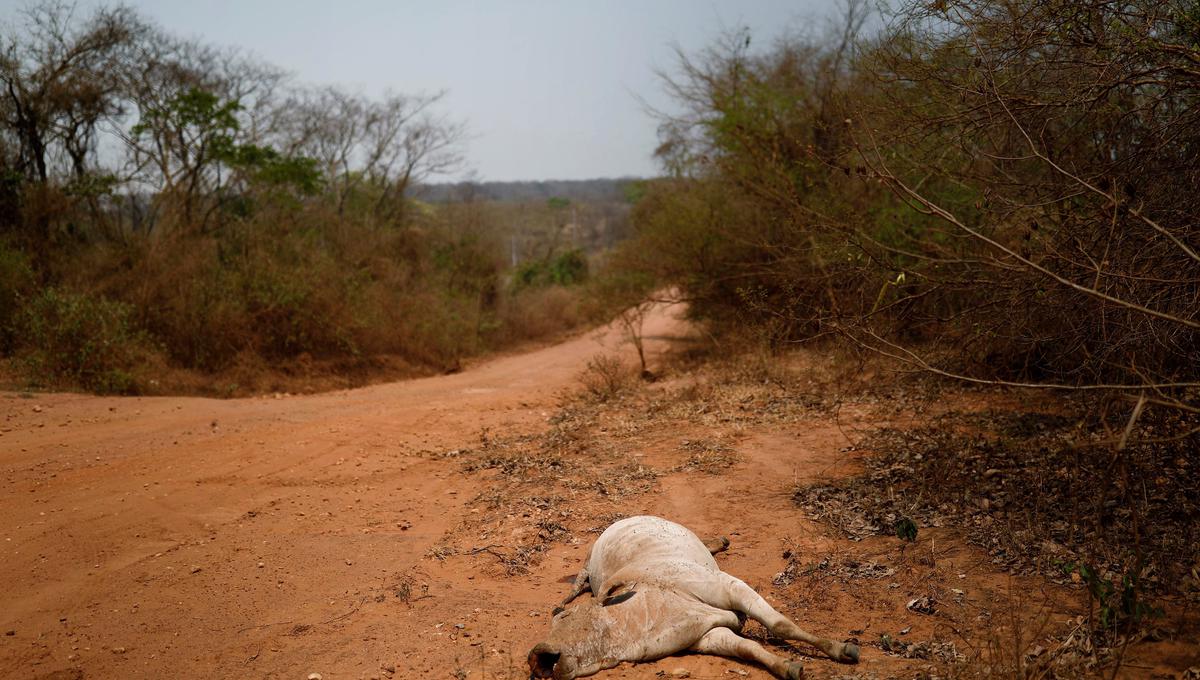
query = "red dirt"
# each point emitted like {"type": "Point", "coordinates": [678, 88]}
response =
{"type": "Point", "coordinates": [267, 537]}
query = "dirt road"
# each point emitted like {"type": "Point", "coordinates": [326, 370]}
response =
{"type": "Point", "coordinates": [278, 537]}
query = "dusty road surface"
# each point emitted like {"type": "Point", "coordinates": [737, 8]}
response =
{"type": "Point", "coordinates": [340, 534]}
{"type": "Point", "coordinates": [179, 537]}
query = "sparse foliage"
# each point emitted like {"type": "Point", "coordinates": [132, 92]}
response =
{"type": "Point", "coordinates": [606, 377]}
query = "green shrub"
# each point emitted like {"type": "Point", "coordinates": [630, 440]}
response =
{"type": "Point", "coordinates": [16, 280]}
{"type": "Point", "coordinates": [569, 268]}
{"type": "Point", "coordinates": [77, 339]}
{"type": "Point", "coordinates": [566, 269]}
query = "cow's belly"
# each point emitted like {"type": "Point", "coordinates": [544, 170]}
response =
{"type": "Point", "coordinates": [668, 622]}
{"type": "Point", "coordinates": [648, 549]}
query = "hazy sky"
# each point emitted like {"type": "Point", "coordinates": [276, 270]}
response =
{"type": "Point", "coordinates": [548, 89]}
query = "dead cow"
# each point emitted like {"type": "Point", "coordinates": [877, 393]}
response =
{"type": "Point", "coordinates": [658, 591]}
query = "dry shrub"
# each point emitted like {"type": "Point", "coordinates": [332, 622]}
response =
{"type": "Point", "coordinates": [298, 292]}
{"type": "Point", "coordinates": [432, 327]}
{"type": "Point", "coordinates": [532, 313]}
{"type": "Point", "coordinates": [276, 298]}
{"type": "Point", "coordinates": [1038, 494]}
{"type": "Point", "coordinates": [1024, 643]}
{"type": "Point", "coordinates": [1061, 245]}
{"type": "Point", "coordinates": [606, 377]}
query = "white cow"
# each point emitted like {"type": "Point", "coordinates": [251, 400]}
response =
{"type": "Point", "coordinates": [658, 591]}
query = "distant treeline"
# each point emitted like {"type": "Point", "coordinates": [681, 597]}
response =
{"type": "Point", "coordinates": [584, 190]}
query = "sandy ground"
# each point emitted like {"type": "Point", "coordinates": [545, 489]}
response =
{"type": "Point", "coordinates": [281, 536]}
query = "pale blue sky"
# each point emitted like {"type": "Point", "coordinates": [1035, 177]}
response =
{"type": "Point", "coordinates": [548, 89]}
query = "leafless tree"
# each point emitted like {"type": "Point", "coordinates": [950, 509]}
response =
{"type": "Point", "coordinates": [326, 124]}
{"type": "Point", "coordinates": [406, 143]}
{"type": "Point", "coordinates": [60, 79]}
{"type": "Point", "coordinates": [385, 146]}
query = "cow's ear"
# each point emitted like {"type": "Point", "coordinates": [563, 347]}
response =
{"type": "Point", "coordinates": [617, 599]}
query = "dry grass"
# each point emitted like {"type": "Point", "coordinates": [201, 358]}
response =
{"type": "Point", "coordinates": [574, 476]}
{"type": "Point", "coordinates": [1035, 490]}
{"type": "Point", "coordinates": [543, 488]}
{"type": "Point", "coordinates": [705, 455]}
{"type": "Point", "coordinates": [606, 377]}
{"type": "Point", "coordinates": [1040, 495]}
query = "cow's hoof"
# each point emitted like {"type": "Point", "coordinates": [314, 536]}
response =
{"type": "Point", "coordinates": [795, 670]}
{"type": "Point", "coordinates": [849, 653]}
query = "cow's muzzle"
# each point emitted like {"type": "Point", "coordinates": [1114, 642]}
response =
{"type": "Point", "coordinates": [542, 661]}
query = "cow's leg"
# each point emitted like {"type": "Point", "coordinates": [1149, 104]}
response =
{"type": "Point", "coordinates": [717, 544]}
{"type": "Point", "coordinates": [732, 593]}
{"type": "Point", "coordinates": [582, 583]}
{"type": "Point", "coordinates": [725, 642]}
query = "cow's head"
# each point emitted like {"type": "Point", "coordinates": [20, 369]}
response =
{"type": "Point", "coordinates": [589, 637]}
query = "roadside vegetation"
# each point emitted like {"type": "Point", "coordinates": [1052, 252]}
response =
{"type": "Point", "coordinates": [982, 193]}
{"type": "Point", "coordinates": [176, 217]}
{"type": "Point", "coordinates": [998, 191]}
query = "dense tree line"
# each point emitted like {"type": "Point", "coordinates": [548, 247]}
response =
{"type": "Point", "coordinates": [582, 190]}
{"type": "Point", "coordinates": [166, 206]}
{"type": "Point", "coordinates": [995, 190]}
